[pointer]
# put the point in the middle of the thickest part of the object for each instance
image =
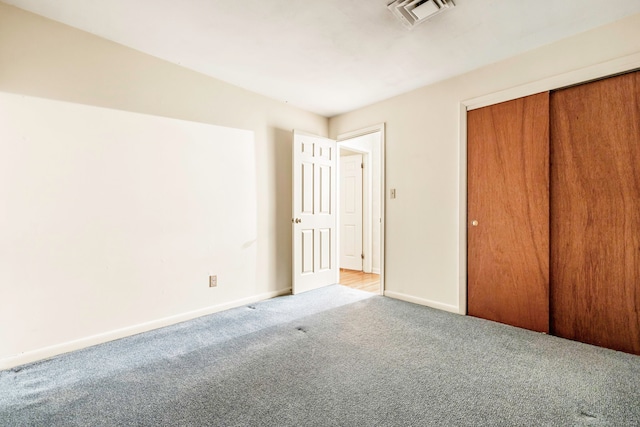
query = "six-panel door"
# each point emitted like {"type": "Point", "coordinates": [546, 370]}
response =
{"type": "Point", "coordinates": [314, 212]}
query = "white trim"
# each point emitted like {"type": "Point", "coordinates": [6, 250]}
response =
{"type": "Point", "coordinates": [422, 301]}
{"type": "Point", "coordinates": [367, 214]}
{"type": "Point", "coordinates": [582, 75]}
{"type": "Point", "coordinates": [54, 350]}
{"type": "Point", "coordinates": [383, 178]}
{"type": "Point", "coordinates": [375, 270]}
{"type": "Point", "coordinates": [592, 72]}
{"type": "Point", "coordinates": [383, 204]}
{"type": "Point", "coordinates": [360, 132]}
{"type": "Point", "coordinates": [462, 209]}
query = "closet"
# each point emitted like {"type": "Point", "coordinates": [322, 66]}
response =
{"type": "Point", "coordinates": [554, 212]}
{"type": "Point", "coordinates": [508, 212]}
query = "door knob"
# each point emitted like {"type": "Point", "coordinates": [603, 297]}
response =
{"type": "Point", "coordinates": [296, 220]}
{"type": "Point", "coordinates": [474, 223]}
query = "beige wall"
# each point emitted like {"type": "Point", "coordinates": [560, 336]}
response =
{"type": "Point", "coordinates": [425, 240]}
{"type": "Point", "coordinates": [45, 59]}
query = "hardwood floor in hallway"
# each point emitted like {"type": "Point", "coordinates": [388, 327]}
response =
{"type": "Point", "coordinates": [368, 282]}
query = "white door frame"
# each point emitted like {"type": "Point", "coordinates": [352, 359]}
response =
{"type": "Point", "coordinates": [361, 132]}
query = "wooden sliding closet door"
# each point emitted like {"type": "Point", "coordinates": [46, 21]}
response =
{"type": "Point", "coordinates": [595, 213]}
{"type": "Point", "coordinates": [508, 212]}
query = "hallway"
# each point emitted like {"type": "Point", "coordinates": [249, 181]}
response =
{"type": "Point", "coordinates": [368, 282]}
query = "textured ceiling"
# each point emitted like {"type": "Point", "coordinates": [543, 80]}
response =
{"type": "Point", "coordinates": [329, 56]}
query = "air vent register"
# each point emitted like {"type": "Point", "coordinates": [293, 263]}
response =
{"type": "Point", "coordinates": [413, 12]}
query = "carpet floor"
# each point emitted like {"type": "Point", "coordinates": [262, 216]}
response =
{"type": "Point", "coordinates": [331, 357]}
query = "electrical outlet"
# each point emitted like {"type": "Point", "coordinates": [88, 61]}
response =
{"type": "Point", "coordinates": [213, 281]}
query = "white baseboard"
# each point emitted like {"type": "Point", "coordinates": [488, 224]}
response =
{"type": "Point", "coordinates": [375, 270]}
{"type": "Point", "coordinates": [54, 350]}
{"type": "Point", "coordinates": [422, 301]}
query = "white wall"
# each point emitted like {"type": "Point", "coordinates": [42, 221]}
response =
{"type": "Point", "coordinates": [50, 302]}
{"type": "Point", "coordinates": [425, 224]}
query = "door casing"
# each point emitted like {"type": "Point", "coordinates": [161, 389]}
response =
{"type": "Point", "coordinates": [370, 219]}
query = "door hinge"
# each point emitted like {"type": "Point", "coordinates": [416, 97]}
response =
{"type": "Point", "coordinates": [361, 165]}
{"type": "Point", "coordinates": [362, 256]}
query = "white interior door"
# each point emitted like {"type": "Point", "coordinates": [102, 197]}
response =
{"type": "Point", "coordinates": [351, 212]}
{"type": "Point", "coordinates": [314, 212]}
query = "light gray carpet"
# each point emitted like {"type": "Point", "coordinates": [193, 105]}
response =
{"type": "Point", "coordinates": [332, 357]}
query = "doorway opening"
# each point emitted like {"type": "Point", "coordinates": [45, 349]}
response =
{"type": "Point", "coordinates": [361, 209]}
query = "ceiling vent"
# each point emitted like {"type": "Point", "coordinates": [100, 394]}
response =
{"type": "Point", "coordinates": [413, 12]}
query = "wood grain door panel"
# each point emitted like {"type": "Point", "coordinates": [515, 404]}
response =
{"type": "Point", "coordinates": [595, 213]}
{"type": "Point", "coordinates": [508, 196]}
